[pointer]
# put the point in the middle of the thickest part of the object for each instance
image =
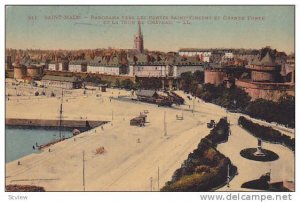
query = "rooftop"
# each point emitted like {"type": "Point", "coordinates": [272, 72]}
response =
{"type": "Point", "coordinates": [267, 60]}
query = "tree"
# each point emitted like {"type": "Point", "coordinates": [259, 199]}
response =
{"type": "Point", "coordinates": [117, 83]}
{"type": "Point", "coordinates": [262, 109]}
{"type": "Point", "coordinates": [282, 111]}
{"type": "Point", "coordinates": [137, 85]}
{"type": "Point", "coordinates": [198, 76]}
{"type": "Point", "coordinates": [93, 79]}
{"type": "Point", "coordinates": [186, 79]}
{"type": "Point", "coordinates": [209, 92]}
{"type": "Point", "coordinates": [127, 84]}
{"type": "Point", "coordinates": [236, 98]}
{"type": "Point", "coordinates": [286, 106]}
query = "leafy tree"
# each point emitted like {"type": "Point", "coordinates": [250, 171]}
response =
{"type": "Point", "coordinates": [117, 83]}
{"type": "Point", "coordinates": [286, 106]}
{"type": "Point", "coordinates": [266, 133]}
{"type": "Point", "coordinates": [282, 112]}
{"type": "Point", "coordinates": [93, 79]}
{"type": "Point", "coordinates": [231, 98]}
{"type": "Point", "coordinates": [198, 76]}
{"type": "Point", "coordinates": [235, 98]}
{"type": "Point", "coordinates": [137, 85]}
{"type": "Point", "coordinates": [186, 79]}
{"type": "Point", "coordinates": [127, 84]}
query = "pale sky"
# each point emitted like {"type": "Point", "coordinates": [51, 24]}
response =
{"type": "Point", "coordinates": [275, 30]}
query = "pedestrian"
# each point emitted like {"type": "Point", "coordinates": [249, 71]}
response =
{"type": "Point", "coordinates": [33, 147]}
{"type": "Point", "coordinates": [19, 163]}
{"type": "Point", "coordinates": [49, 150]}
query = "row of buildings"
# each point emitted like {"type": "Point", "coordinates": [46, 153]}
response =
{"type": "Point", "coordinates": [140, 65]}
{"type": "Point", "coordinates": [219, 55]}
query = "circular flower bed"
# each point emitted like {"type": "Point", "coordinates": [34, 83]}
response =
{"type": "Point", "coordinates": [249, 153]}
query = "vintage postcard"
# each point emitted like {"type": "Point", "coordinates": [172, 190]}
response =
{"type": "Point", "coordinates": [150, 98]}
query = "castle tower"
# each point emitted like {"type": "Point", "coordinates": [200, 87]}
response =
{"type": "Point", "coordinates": [265, 70]}
{"type": "Point", "coordinates": [138, 40]}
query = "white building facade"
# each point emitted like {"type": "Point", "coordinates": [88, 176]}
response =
{"type": "Point", "coordinates": [203, 55]}
{"type": "Point", "coordinates": [101, 69]}
{"type": "Point", "coordinates": [52, 67]}
{"type": "Point", "coordinates": [74, 67]}
{"type": "Point", "coordinates": [228, 55]}
{"type": "Point", "coordinates": [150, 70]}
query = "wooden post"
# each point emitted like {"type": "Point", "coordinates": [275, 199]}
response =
{"type": "Point", "coordinates": [193, 104]}
{"type": "Point", "coordinates": [158, 178]}
{"type": "Point", "coordinates": [60, 114]}
{"type": "Point", "coordinates": [228, 175]}
{"type": "Point", "coordinates": [83, 171]}
{"type": "Point", "coordinates": [165, 124]}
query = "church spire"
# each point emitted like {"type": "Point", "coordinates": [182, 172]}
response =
{"type": "Point", "coordinates": [139, 29]}
{"type": "Point", "coordinates": [138, 39]}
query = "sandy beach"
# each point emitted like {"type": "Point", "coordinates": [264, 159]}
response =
{"type": "Point", "coordinates": [127, 164]}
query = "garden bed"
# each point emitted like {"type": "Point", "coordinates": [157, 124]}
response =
{"type": "Point", "coordinates": [267, 134]}
{"type": "Point", "coordinates": [249, 153]}
{"type": "Point", "coordinates": [205, 168]}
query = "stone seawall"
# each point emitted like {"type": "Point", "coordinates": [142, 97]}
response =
{"type": "Point", "coordinates": [53, 123]}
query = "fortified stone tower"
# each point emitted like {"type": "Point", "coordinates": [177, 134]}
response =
{"type": "Point", "coordinates": [265, 70]}
{"type": "Point", "coordinates": [265, 80]}
{"type": "Point", "coordinates": [34, 71]}
{"type": "Point", "coordinates": [19, 71]}
{"type": "Point", "coordinates": [214, 75]}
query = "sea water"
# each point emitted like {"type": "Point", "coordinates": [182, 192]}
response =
{"type": "Point", "coordinates": [20, 142]}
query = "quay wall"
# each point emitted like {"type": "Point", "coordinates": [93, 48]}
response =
{"type": "Point", "coordinates": [53, 123]}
